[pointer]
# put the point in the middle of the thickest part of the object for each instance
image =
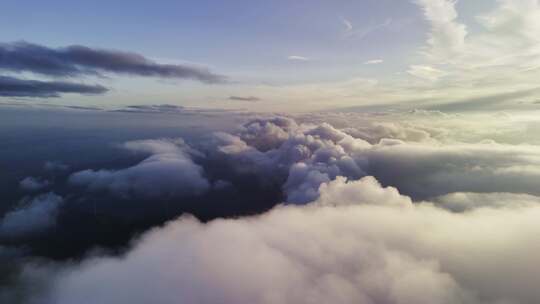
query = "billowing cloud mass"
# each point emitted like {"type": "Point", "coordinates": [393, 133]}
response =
{"type": "Point", "coordinates": [78, 60]}
{"type": "Point", "coordinates": [14, 87]}
{"type": "Point", "coordinates": [359, 243]}
{"type": "Point", "coordinates": [33, 216]}
{"type": "Point", "coordinates": [168, 172]}
{"type": "Point", "coordinates": [310, 155]}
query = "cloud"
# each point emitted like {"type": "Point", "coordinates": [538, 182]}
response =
{"type": "Point", "coordinates": [359, 243]}
{"type": "Point", "coordinates": [488, 102]}
{"type": "Point", "coordinates": [298, 58]}
{"type": "Point", "coordinates": [163, 108]}
{"type": "Point", "coordinates": [348, 24]}
{"type": "Point", "coordinates": [416, 207]}
{"type": "Point", "coordinates": [79, 60]}
{"type": "Point", "coordinates": [466, 201]}
{"type": "Point", "coordinates": [167, 173]}
{"type": "Point", "coordinates": [244, 98]}
{"type": "Point", "coordinates": [447, 36]}
{"type": "Point", "coordinates": [33, 216]}
{"type": "Point", "coordinates": [14, 87]}
{"type": "Point", "coordinates": [55, 166]}
{"type": "Point", "coordinates": [426, 72]}
{"type": "Point", "coordinates": [304, 156]}
{"type": "Point", "coordinates": [32, 184]}
{"type": "Point", "coordinates": [374, 61]}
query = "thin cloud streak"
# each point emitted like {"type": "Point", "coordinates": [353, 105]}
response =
{"type": "Point", "coordinates": [14, 87]}
{"type": "Point", "coordinates": [244, 98]}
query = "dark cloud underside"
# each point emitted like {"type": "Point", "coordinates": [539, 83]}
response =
{"type": "Point", "coordinates": [13, 87]}
{"type": "Point", "coordinates": [78, 60]}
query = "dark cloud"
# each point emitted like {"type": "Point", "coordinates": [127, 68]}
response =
{"type": "Point", "coordinates": [162, 108]}
{"type": "Point", "coordinates": [14, 87]}
{"type": "Point", "coordinates": [32, 184]}
{"type": "Point", "coordinates": [55, 166]}
{"type": "Point", "coordinates": [33, 216]}
{"type": "Point", "coordinates": [244, 98]}
{"type": "Point", "coordinates": [78, 60]}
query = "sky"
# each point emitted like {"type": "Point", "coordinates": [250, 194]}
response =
{"type": "Point", "coordinates": [319, 54]}
{"type": "Point", "coordinates": [268, 152]}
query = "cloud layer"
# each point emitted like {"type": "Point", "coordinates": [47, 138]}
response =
{"type": "Point", "coordinates": [399, 208]}
{"type": "Point", "coordinates": [358, 243]}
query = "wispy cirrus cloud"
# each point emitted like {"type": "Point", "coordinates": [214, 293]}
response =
{"type": "Point", "coordinates": [351, 31]}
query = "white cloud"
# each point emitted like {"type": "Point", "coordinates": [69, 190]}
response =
{"type": "Point", "coordinates": [169, 172]}
{"type": "Point", "coordinates": [465, 201]}
{"type": "Point", "coordinates": [348, 24]}
{"type": "Point", "coordinates": [374, 61]}
{"type": "Point", "coordinates": [426, 72]}
{"type": "Point", "coordinates": [298, 58]}
{"type": "Point", "coordinates": [447, 36]}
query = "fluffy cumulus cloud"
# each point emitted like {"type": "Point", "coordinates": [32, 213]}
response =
{"type": "Point", "coordinates": [358, 243]}
{"type": "Point", "coordinates": [33, 216]}
{"type": "Point", "coordinates": [168, 172]}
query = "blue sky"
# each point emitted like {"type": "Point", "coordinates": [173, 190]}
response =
{"type": "Point", "coordinates": [316, 54]}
